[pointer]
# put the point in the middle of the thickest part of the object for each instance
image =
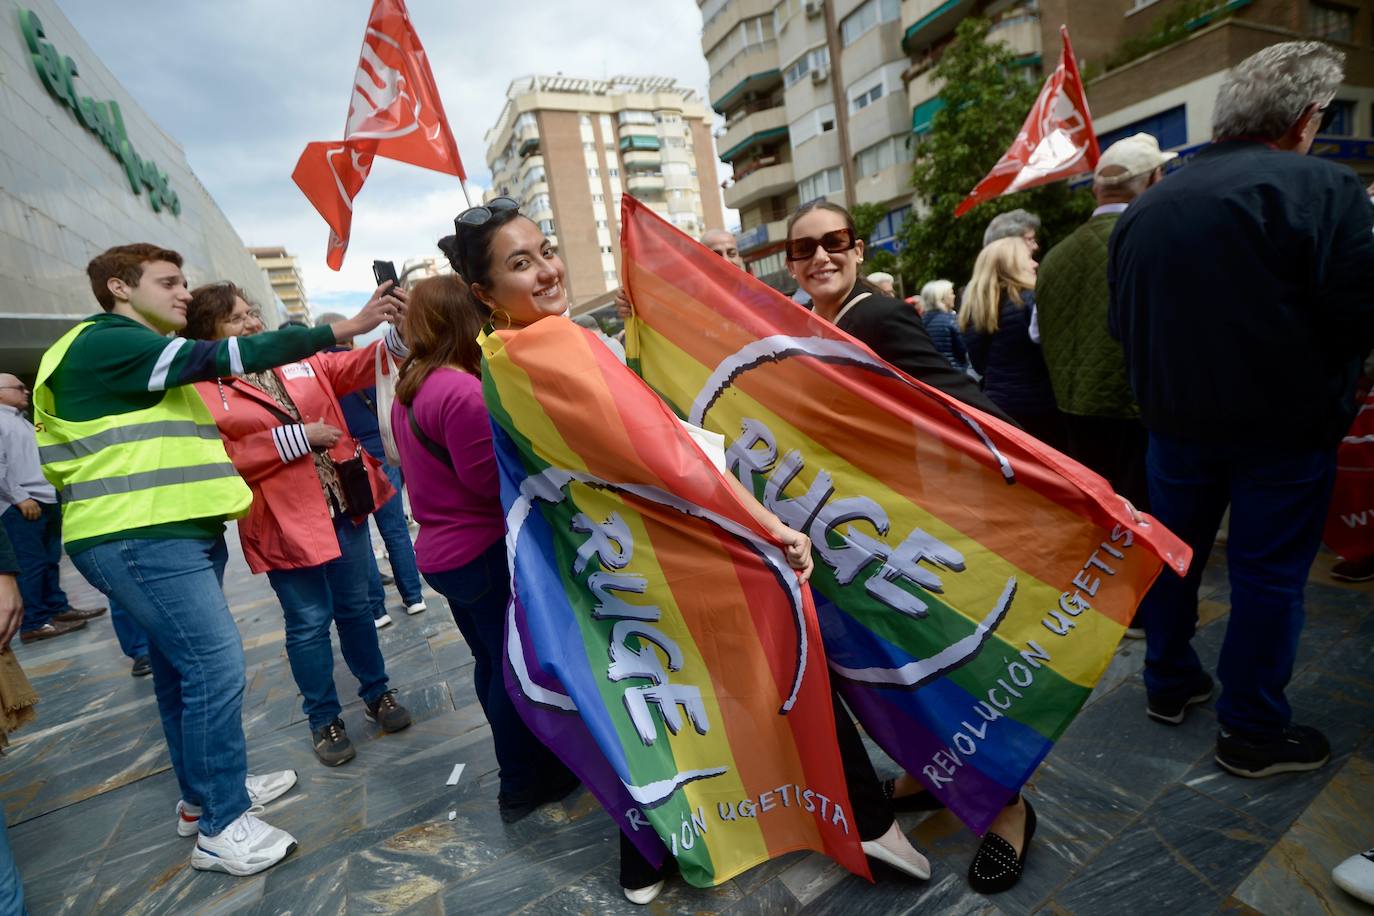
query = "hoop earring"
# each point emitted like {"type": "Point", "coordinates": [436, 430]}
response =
{"type": "Point", "coordinates": [509, 324]}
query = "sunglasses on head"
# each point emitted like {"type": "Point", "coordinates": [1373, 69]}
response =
{"type": "Point", "coordinates": [476, 218]}
{"type": "Point", "coordinates": [834, 242]}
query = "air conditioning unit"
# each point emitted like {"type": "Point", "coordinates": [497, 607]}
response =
{"type": "Point", "coordinates": [820, 74]}
{"type": "Point", "coordinates": [815, 8]}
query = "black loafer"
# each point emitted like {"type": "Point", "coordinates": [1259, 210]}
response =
{"type": "Point", "coordinates": [919, 801]}
{"type": "Point", "coordinates": [997, 867]}
{"type": "Point", "coordinates": [513, 810]}
{"type": "Point", "coordinates": [142, 667]}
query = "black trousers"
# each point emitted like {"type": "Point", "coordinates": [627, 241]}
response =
{"type": "Point", "coordinates": [1114, 448]}
{"type": "Point", "coordinates": [872, 812]}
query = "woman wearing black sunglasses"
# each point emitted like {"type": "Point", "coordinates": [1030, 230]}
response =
{"type": "Point", "coordinates": [515, 278]}
{"type": "Point", "coordinates": [823, 256]}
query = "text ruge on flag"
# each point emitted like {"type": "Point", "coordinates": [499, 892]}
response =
{"type": "Point", "coordinates": [657, 641]}
{"type": "Point", "coordinates": [972, 583]}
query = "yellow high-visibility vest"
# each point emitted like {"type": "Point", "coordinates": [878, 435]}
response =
{"type": "Point", "coordinates": [154, 466]}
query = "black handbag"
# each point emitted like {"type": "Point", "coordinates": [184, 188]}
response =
{"type": "Point", "coordinates": [357, 485]}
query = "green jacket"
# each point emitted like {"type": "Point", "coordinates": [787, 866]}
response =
{"type": "Point", "coordinates": [1087, 367]}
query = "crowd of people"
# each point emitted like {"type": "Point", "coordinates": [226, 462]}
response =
{"type": "Point", "coordinates": [1196, 342]}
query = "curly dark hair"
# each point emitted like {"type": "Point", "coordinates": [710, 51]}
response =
{"type": "Point", "coordinates": [210, 304]}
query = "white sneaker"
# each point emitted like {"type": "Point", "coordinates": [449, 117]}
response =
{"type": "Point", "coordinates": [245, 847]}
{"type": "Point", "coordinates": [643, 895]}
{"type": "Point", "coordinates": [417, 607]}
{"type": "Point", "coordinates": [262, 790]}
{"type": "Point", "coordinates": [1355, 876]}
{"type": "Point", "coordinates": [383, 621]}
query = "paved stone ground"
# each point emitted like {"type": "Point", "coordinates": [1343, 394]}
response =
{"type": "Point", "coordinates": [1134, 817]}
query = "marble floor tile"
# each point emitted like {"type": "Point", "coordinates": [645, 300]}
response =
{"type": "Point", "coordinates": [1295, 877]}
{"type": "Point", "coordinates": [1134, 816]}
{"type": "Point", "coordinates": [1184, 855]}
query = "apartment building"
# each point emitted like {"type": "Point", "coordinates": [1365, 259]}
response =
{"type": "Point", "coordinates": [569, 148]}
{"type": "Point", "coordinates": [811, 93]}
{"type": "Point", "coordinates": [285, 276]}
{"type": "Point", "coordinates": [1155, 65]}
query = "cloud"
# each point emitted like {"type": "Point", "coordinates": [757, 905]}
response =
{"type": "Point", "coordinates": [244, 86]}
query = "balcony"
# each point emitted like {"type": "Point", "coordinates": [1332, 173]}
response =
{"type": "Point", "coordinates": [756, 68]}
{"type": "Point", "coordinates": [529, 146]}
{"type": "Point", "coordinates": [891, 186]}
{"type": "Point", "coordinates": [638, 160]}
{"type": "Point", "coordinates": [1020, 33]}
{"type": "Point", "coordinates": [645, 182]}
{"type": "Point", "coordinates": [923, 87]}
{"type": "Point", "coordinates": [639, 142]}
{"type": "Point", "coordinates": [926, 21]}
{"type": "Point", "coordinates": [749, 131]}
{"type": "Point", "coordinates": [760, 183]}
{"type": "Point", "coordinates": [729, 18]}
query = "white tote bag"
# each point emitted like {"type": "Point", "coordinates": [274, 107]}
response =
{"type": "Point", "coordinates": [386, 394]}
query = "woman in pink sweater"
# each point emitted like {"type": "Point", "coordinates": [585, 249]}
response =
{"type": "Point", "coordinates": [444, 438]}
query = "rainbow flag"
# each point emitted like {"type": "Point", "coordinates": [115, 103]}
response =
{"type": "Point", "coordinates": [972, 583]}
{"type": "Point", "coordinates": [657, 641]}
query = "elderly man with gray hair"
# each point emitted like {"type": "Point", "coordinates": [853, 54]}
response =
{"type": "Point", "coordinates": [1013, 224]}
{"type": "Point", "coordinates": [1242, 291]}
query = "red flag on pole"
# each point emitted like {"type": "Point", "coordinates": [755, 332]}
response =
{"type": "Point", "coordinates": [1056, 141]}
{"type": "Point", "coordinates": [395, 113]}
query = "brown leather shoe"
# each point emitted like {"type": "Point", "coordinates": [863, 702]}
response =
{"type": "Point", "coordinates": [73, 614]}
{"type": "Point", "coordinates": [49, 630]}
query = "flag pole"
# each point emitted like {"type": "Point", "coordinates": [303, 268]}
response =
{"type": "Point", "coordinates": [467, 198]}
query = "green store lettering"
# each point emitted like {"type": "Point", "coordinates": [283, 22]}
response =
{"type": "Point", "coordinates": [103, 119]}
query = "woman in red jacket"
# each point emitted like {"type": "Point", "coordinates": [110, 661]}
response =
{"type": "Point", "coordinates": [313, 488]}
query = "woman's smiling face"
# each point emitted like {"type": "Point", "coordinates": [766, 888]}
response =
{"type": "Point", "coordinates": [827, 276]}
{"type": "Point", "coordinates": [526, 275]}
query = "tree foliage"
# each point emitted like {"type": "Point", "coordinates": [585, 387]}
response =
{"type": "Point", "coordinates": [985, 100]}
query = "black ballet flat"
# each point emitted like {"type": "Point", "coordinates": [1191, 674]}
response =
{"type": "Point", "coordinates": [997, 867]}
{"type": "Point", "coordinates": [921, 801]}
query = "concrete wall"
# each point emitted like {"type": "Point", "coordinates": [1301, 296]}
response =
{"type": "Point", "coordinates": [64, 197]}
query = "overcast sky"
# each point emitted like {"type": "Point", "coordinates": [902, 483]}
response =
{"type": "Point", "coordinates": [244, 85]}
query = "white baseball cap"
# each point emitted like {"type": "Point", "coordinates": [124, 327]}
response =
{"type": "Point", "coordinates": [1129, 158]}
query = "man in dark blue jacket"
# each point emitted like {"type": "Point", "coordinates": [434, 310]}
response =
{"type": "Point", "coordinates": [1243, 293]}
{"type": "Point", "coordinates": [360, 413]}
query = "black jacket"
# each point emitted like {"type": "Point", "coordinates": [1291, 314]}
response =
{"type": "Point", "coordinates": [1011, 364]}
{"type": "Point", "coordinates": [1242, 291]}
{"type": "Point", "coordinates": [894, 331]}
{"type": "Point", "coordinates": [943, 329]}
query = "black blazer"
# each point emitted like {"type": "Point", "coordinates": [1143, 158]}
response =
{"type": "Point", "coordinates": [894, 331]}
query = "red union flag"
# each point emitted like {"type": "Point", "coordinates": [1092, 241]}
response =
{"type": "Point", "coordinates": [1056, 141]}
{"type": "Point", "coordinates": [395, 113]}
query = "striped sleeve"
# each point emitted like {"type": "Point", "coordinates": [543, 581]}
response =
{"type": "Point", "coordinates": [395, 344]}
{"type": "Point", "coordinates": [200, 360]}
{"type": "Point", "coordinates": [291, 442]}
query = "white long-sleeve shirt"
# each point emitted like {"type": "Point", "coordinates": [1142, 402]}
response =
{"type": "Point", "coordinates": [21, 473]}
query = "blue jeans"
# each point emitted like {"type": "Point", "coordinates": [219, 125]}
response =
{"type": "Point", "coordinates": [376, 592]}
{"type": "Point", "coordinates": [312, 597]}
{"type": "Point", "coordinates": [171, 588]}
{"type": "Point", "coordinates": [38, 547]}
{"type": "Point", "coordinates": [391, 525]}
{"type": "Point", "coordinates": [11, 885]}
{"type": "Point", "coordinates": [1278, 501]}
{"type": "Point", "coordinates": [477, 594]}
{"type": "Point", "coordinates": [133, 642]}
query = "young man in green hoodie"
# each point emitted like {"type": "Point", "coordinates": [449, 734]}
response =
{"type": "Point", "coordinates": [146, 488]}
